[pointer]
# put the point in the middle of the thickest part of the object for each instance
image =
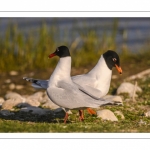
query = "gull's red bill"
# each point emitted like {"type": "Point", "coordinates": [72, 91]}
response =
{"type": "Point", "coordinates": [52, 55]}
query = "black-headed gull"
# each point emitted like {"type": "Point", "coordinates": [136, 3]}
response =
{"type": "Point", "coordinates": [64, 92]}
{"type": "Point", "coordinates": [96, 82]}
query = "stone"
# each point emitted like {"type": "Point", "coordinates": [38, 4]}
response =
{"type": "Point", "coordinates": [44, 99]}
{"type": "Point", "coordinates": [11, 103]}
{"type": "Point", "coordinates": [13, 95]}
{"type": "Point", "coordinates": [12, 86]}
{"type": "Point", "coordinates": [19, 87]}
{"type": "Point", "coordinates": [141, 122]}
{"type": "Point", "coordinates": [117, 99]}
{"type": "Point", "coordinates": [7, 81]}
{"type": "Point", "coordinates": [21, 105]}
{"type": "Point", "coordinates": [1, 100]}
{"type": "Point", "coordinates": [106, 114]}
{"type": "Point", "coordinates": [32, 102]}
{"type": "Point", "coordinates": [36, 110]}
{"type": "Point", "coordinates": [127, 87]}
{"type": "Point", "coordinates": [6, 113]}
{"type": "Point", "coordinates": [118, 113]}
{"type": "Point", "coordinates": [38, 96]}
{"type": "Point", "coordinates": [147, 114]}
{"type": "Point", "coordinates": [13, 73]}
{"type": "Point", "coordinates": [59, 112]}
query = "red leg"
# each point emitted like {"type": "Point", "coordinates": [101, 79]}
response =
{"type": "Point", "coordinates": [81, 116]}
{"type": "Point", "coordinates": [66, 117]}
{"type": "Point", "coordinates": [91, 111]}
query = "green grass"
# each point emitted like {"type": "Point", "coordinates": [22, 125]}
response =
{"type": "Point", "coordinates": [90, 125]}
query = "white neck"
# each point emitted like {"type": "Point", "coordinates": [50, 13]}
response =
{"type": "Point", "coordinates": [61, 71]}
{"type": "Point", "coordinates": [101, 72]}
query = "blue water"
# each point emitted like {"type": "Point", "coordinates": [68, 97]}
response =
{"type": "Point", "coordinates": [131, 32]}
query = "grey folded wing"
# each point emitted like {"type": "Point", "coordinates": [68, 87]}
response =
{"type": "Point", "coordinates": [92, 92]}
{"type": "Point", "coordinates": [86, 84]}
{"type": "Point", "coordinates": [81, 98]}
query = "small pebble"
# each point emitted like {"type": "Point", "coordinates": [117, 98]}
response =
{"type": "Point", "coordinates": [147, 114]}
{"type": "Point", "coordinates": [8, 81]}
{"type": "Point", "coordinates": [106, 114]}
{"type": "Point", "coordinates": [1, 100]}
{"type": "Point", "coordinates": [127, 87]}
{"type": "Point", "coordinates": [13, 73]}
{"type": "Point", "coordinates": [19, 87]}
{"type": "Point", "coordinates": [12, 86]}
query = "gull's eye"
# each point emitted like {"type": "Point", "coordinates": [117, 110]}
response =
{"type": "Point", "coordinates": [57, 50]}
{"type": "Point", "coordinates": [114, 59]}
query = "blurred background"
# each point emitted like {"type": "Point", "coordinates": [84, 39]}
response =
{"type": "Point", "coordinates": [28, 41]}
{"type": "Point", "coordinates": [25, 44]}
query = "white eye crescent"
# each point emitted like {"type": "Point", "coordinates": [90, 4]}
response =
{"type": "Point", "coordinates": [57, 50]}
{"type": "Point", "coordinates": [114, 59]}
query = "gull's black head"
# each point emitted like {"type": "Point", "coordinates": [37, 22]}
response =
{"type": "Point", "coordinates": [61, 51]}
{"type": "Point", "coordinates": [112, 60]}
